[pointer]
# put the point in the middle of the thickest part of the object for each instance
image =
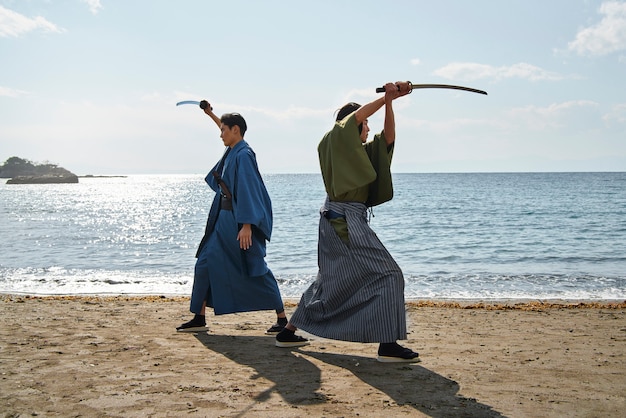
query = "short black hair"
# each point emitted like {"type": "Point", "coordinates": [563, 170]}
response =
{"type": "Point", "coordinates": [346, 110]}
{"type": "Point", "coordinates": [234, 119]}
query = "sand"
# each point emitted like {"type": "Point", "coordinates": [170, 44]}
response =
{"type": "Point", "coordinates": [121, 356]}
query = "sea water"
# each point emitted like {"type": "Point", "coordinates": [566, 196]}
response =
{"type": "Point", "coordinates": [455, 236]}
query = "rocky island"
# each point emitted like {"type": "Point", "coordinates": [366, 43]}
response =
{"type": "Point", "coordinates": [21, 171]}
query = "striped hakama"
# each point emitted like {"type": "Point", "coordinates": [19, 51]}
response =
{"type": "Point", "coordinates": [358, 294]}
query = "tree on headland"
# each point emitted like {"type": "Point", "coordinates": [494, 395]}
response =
{"type": "Point", "coordinates": [15, 166]}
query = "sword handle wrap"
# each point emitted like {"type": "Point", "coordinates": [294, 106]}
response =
{"type": "Point", "coordinates": [382, 89]}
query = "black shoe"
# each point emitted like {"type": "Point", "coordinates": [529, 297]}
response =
{"type": "Point", "coordinates": [395, 353]}
{"type": "Point", "coordinates": [286, 339]}
{"type": "Point", "coordinates": [274, 329]}
{"type": "Point", "coordinates": [195, 325]}
{"type": "Point", "coordinates": [277, 327]}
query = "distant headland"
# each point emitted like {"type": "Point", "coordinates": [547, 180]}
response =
{"type": "Point", "coordinates": [22, 171]}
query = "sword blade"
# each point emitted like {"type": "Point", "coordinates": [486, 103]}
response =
{"type": "Point", "coordinates": [446, 86]}
{"type": "Point", "coordinates": [193, 102]}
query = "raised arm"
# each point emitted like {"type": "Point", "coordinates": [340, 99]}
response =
{"type": "Point", "coordinates": [367, 110]}
{"type": "Point", "coordinates": [392, 92]}
{"type": "Point", "coordinates": [208, 109]}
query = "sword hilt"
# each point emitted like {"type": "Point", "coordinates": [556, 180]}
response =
{"type": "Point", "coordinates": [204, 104]}
{"type": "Point", "coordinates": [382, 89]}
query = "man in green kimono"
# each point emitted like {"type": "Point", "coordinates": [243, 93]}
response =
{"type": "Point", "coordinates": [358, 294]}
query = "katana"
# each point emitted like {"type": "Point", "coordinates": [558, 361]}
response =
{"type": "Point", "coordinates": [203, 103]}
{"type": "Point", "coordinates": [436, 86]}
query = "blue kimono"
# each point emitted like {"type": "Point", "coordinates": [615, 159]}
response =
{"type": "Point", "coordinates": [228, 278]}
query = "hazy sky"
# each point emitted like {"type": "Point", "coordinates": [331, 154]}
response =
{"type": "Point", "coordinates": [92, 85]}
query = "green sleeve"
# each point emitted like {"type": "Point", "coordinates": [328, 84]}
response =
{"type": "Point", "coordinates": [380, 190]}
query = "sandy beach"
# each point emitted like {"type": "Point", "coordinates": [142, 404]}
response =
{"type": "Point", "coordinates": [120, 356]}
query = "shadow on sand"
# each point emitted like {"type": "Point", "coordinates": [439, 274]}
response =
{"type": "Point", "coordinates": [407, 384]}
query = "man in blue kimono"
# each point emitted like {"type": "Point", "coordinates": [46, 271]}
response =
{"type": "Point", "coordinates": [230, 273]}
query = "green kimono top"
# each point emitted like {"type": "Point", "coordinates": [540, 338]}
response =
{"type": "Point", "coordinates": [353, 171]}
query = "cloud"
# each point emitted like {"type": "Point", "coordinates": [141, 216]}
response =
{"type": "Point", "coordinates": [94, 5]}
{"type": "Point", "coordinates": [553, 116]}
{"type": "Point", "coordinates": [556, 108]}
{"type": "Point", "coordinates": [469, 71]}
{"type": "Point", "coordinates": [13, 24]}
{"type": "Point", "coordinates": [605, 37]}
{"type": "Point", "coordinates": [617, 114]}
{"type": "Point", "coordinates": [289, 114]}
{"type": "Point", "coordinates": [415, 61]}
{"type": "Point", "coordinates": [9, 92]}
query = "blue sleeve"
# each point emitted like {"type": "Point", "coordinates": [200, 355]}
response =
{"type": "Point", "coordinates": [251, 201]}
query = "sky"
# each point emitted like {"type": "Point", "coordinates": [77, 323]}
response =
{"type": "Point", "coordinates": [92, 85]}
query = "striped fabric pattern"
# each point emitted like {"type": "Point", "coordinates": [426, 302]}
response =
{"type": "Point", "coordinates": [358, 294]}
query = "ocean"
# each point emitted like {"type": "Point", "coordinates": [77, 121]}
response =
{"type": "Point", "coordinates": [478, 236]}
